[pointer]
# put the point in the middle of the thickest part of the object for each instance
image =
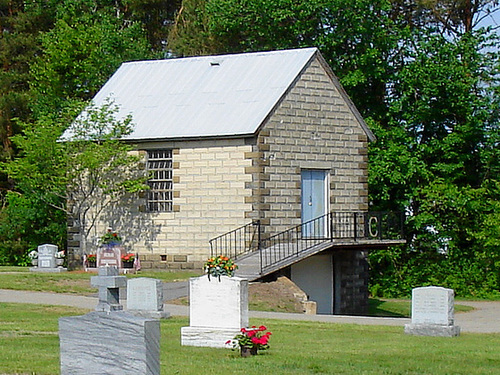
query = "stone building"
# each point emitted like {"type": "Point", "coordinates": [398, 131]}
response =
{"type": "Point", "coordinates": [269, 136]}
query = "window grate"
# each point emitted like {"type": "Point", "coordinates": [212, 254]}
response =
{"type": "Point", "coordinates": [160, 194]}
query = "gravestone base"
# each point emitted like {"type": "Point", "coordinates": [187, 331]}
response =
{"type": "Point", "coordinates": [109, 343]}
{"type": "Point", "coordinates": [150, 314]}
{"type": "Point", "coordinates": [207, 336]}
{"type": "Point", "coordinates": [48, 270]}
{"type": "Point", "coordinates": [432, 330]}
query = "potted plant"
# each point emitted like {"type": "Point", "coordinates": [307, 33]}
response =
{"type": "Point", "coordinates": [250, 340]}
{"type": "Point", "coordinates": [33, 255]}
{"type": "Point", "coordinates": [60, 256]}
{"type": "Point", "coordinates": [219, 266]}
{"type": "Point", "coordinates": [111, 238]}
{"type": "Point", "coordinates": [128, 260]}
{"type": "Point", "coordinates": [91, 260]}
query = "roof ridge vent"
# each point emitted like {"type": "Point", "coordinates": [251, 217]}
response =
{"type": "Point", "coordinates": [214, 63]}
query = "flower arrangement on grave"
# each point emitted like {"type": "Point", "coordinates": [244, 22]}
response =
{"type": "Point", "coordinates": [92, 258]}
{"type": "Point", "coordinates": [219, 266]}
{"type": "Point", "coordinates": [251, 340]}
{"type": "Point", "coordinates": [111, 238]}
{"type": "Point", "coordinates": [33, 255]}
{"type": "Point", "coordinates": [60, 255]}
{"type": "Point", "coordinates": [128, 258]}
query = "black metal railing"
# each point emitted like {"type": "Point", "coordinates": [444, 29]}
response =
{"type": "Point", "coordinates": [240, 241]}
{"type": "Point", "coordinates": [331, 227]}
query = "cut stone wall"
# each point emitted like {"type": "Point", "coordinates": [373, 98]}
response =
{"type": "Point", "coordinates": [312, 128]}
{"type": "Point", "coordinates": [210, 199]}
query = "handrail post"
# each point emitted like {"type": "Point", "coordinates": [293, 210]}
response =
{"type": "Point", "coordinates": [259, 243]}
{"type": "Point", "coordinates": [330, 217]}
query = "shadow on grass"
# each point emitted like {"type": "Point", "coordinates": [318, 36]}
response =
{"type": "Point", "coordinates": [389, 308]}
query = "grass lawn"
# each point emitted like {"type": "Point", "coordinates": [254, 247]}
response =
{"type": "Point", "coordinates": [29, 341]}
{"type": "Point", "coordinates": [78, 282]}
{"type": "Point", "coordinates": [75, 282]}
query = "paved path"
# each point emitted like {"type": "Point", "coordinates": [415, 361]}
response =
{"type": "Point", "coordinates": [484, 319]}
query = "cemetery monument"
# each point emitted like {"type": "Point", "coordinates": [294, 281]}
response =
{"type": "Point", "coordinates": [218, 309]}
{"type": "Point", "coordinates": [145, 298]}
{"type": "Point", "coordinates": [432, 312]}
{"type": "Point", "coordinates": [109, 340]}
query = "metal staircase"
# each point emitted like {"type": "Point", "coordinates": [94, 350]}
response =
{"type": "Point", "coordinates": [258, 254]}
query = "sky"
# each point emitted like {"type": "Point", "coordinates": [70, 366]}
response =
{"type": "Point", "coordinates": [492, 19]}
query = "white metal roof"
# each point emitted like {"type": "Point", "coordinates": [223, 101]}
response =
{"type": "Point", "coordinates": [205, 96]}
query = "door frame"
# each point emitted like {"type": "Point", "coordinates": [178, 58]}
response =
{"type": "Point", "coordinates": [326, 198]}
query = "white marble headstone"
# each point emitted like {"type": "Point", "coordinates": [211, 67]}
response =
{"type": "Point", "coordinates": [47, 256]}
{"type": "Point", "coordinates": [222, 303]}
{"type": "Point", "coordinates": [144, 294]}
{"type": "Point", "coordinates": [432, 305]}
{"type": "Point", "coordinates": [217, 311]}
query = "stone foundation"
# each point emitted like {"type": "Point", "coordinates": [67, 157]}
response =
{"type": "Point", "coordinates": [176, 262]}
{"type": "Point", "coordinates": [351, 282]}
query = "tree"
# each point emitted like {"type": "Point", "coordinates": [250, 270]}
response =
{"type": "Point", "coordinates": [81, 174]}
{"type": "Point", "coordinates": [357, 38]}
{"type": "Point", "coordinates": [79, 55]}
{"type": "Point", "coordinates": [436, 160]}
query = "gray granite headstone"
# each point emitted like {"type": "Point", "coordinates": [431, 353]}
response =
{"type": "Point", "coordinates": [47, 259]}
{"type": "Point", "coordinates": [432, 312]}
{"type": "Point", "coordinates": [47, 256]}
{"type": "Point", "coordinates": [109, 283]}
{"type": "Point", "coordinates": [145, 298]}
{"type": "Point", "coordinates": [113, 343]}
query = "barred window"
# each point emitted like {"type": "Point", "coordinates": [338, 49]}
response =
{"type": "Point", "coordinates": [160, 181]}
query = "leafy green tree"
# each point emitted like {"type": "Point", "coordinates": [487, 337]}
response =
{"type": "Point", "coordinates": [435, 160]}
{"type": "Point", "coordinates": [80, 174]}
{"type": "Point", "coordinates": [78, 57]}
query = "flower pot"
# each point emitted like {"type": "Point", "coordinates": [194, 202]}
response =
{"type": "Point", "coordinates": [128, 264]}
{"type": "Point", "coordinates": [59, 262]}
{"type": "Point", "coordinates": [91, 264]}
{"type": "Point", "coordinates": [247, 352]}
{"type": "Point", "coordinates": [34, 262]}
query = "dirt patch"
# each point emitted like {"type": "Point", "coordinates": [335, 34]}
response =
{"type": "Point", "coordinates": [281, 296]}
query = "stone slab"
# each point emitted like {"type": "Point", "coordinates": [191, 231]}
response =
{"type": "Point", "coordinates": [432, 305]}
{"type": "Point", "coordinates": [207, 337]}
{"type": "Point", "coordinates": [113, 343]}
{"type": "Point", "coordinates": [47, 256]}
{"type": "Point", "coordinates": [110, 256]}
{"type": "Point", "coordinates": [48, 270]}
{"type": "Point", "coordinates": [150, 314]}
{"type": "Point", "coordinates": [432, 330]}
{"type": "Point", "coordinates": [223, 303]}
{"type": "Point", "coordinates": [145, 294]}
